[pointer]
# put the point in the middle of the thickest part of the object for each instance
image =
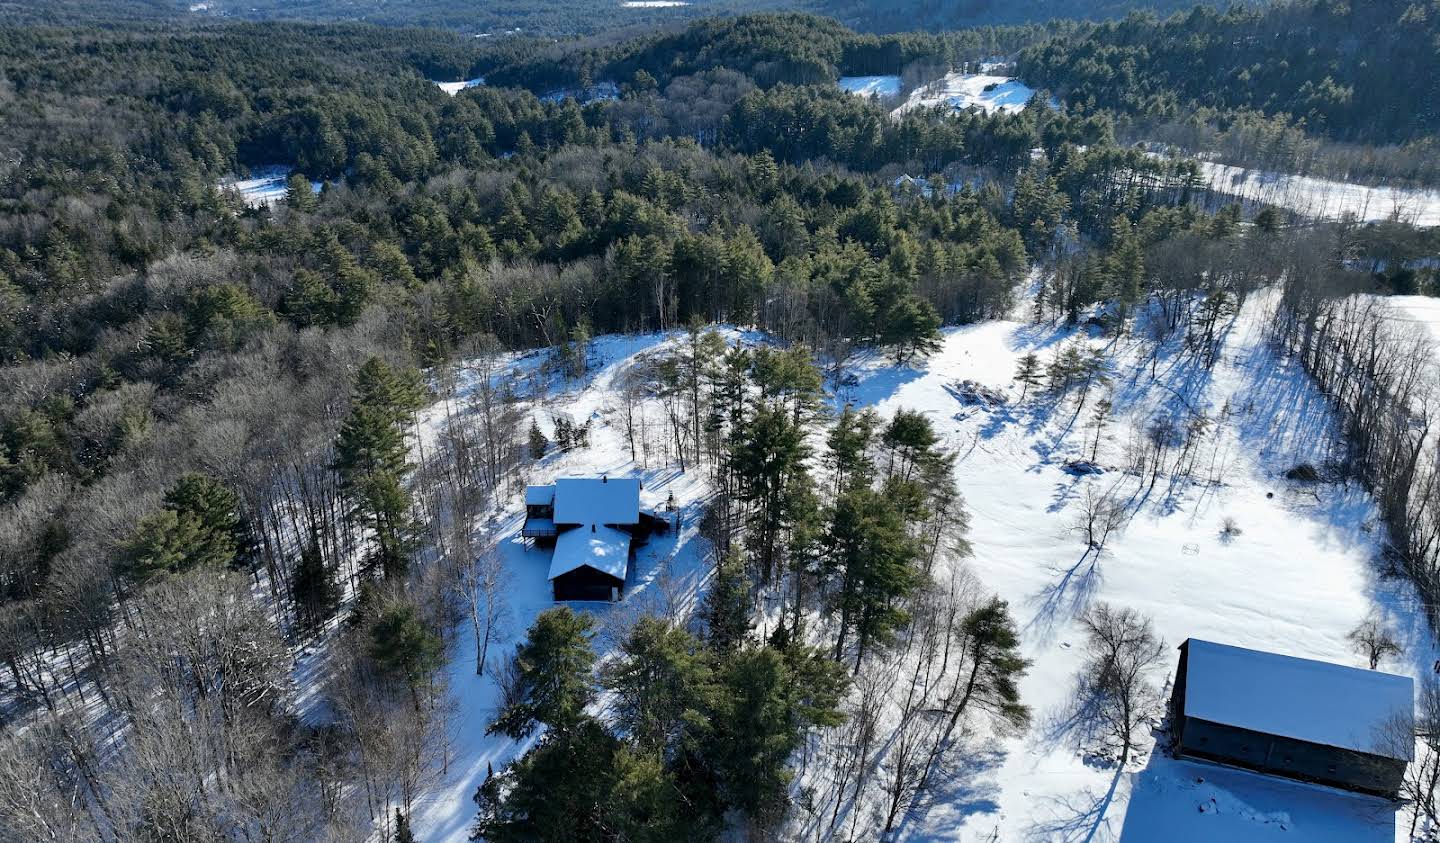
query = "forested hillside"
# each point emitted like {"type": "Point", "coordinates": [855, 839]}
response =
{"type": "Point", "coordinates": [559, 19]}
{"type": "Point", "coordinates": [238, 533]}
{"type": "Point", "coordinates": [1269, 79]}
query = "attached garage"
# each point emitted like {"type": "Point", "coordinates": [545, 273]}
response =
{"type": "Point", "coordinates": [1297, 718]}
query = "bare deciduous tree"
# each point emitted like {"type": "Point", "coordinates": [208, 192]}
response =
{"type": "Point", "coordinates": [1114, 693]}
{"type": "Point", "coordinates": [1101, 514]}
{"type": "Point", "coordinates": [1371, 640]}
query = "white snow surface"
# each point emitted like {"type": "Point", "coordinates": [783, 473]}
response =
{"type": "Point", "coordinates": [1323, 198]}
{"type": "Point", "coordinates": [865, 86]}
{"type": "Point", "coordinates": [597, 500]}
{"type": "Point", "coordinates": [602, 548]}
{"type": "Point", "coordinates": [1297, 579]}
{"type": "Point", "coordinates": [1300, 575]}
{"type": "Point", "coordinates": [972, 90]}
{"type": "Point", "coordinates": [1421, 310]}
{"type": "Point", "coordinates": [266, 185]}
{"type": "Point", "coordinates": [1305, 699]}
{"type": "Point", "coordinates": [453, 88]}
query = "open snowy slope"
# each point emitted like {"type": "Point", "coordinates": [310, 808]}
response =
{"type": "Point", "coordinates": [1299, 574]}
{"type": "Point", "coordinates": [865, 86]}
{"type": "Point", "coordinates": [1298, 577]}
{"type": "Point", "coordinates": [959, 91]}
{"type": "Point", "coordinates": [1323, 198]}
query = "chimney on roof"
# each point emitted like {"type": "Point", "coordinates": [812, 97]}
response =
{"type": "Point", "coordinates": [592, 528]}
{"type": "Point", "coordinates": [604, 478]}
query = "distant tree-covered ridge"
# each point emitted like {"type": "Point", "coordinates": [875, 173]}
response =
{"type": "Point", "coordinates": [549, 18]}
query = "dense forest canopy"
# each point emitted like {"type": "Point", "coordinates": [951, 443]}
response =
{"type": "Point", "coordinates": [553, 18]}
{"type": "Point", "coordinates": [1332, 68]}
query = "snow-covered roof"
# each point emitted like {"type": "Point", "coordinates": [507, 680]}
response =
{"type": "Point", "coordinates": [539, 495]}
{"type": "Point", "coordinates": [602, 548]}
{"type": "Point", "coordinates": [597, 500]}
{"type": "Point", "coordinates": [1304, 699]}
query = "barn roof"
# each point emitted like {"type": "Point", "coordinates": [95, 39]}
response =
{"type": "Point", "coordinates": [602, 548]}
{"type": "Point", "coordinates": [539, 495]}
{"type": "Point", "coordinates": [1313, 701]}
{"type": "Point", "coordinates": [597, 500]}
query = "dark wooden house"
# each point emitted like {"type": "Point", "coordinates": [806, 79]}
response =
{"type": "Point", "coordinates": [593, 525]}
{"type": "Point", "coordinates": [1298, 718]}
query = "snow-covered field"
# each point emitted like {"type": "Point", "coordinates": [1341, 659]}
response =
{"type": "Point", "coordinates": [1296, 580]}
{"type": "Point", "coordinates": [1322, 198]}
{"type": "Point", "coordinates": [865, 86]}
{"type": "Point", "coordinates": [453, 88]}
{"type": "Point", "coordinates": [266, 185]}
{"type": "Point", "coordinates": [971, 90]}
{"type": "Point", "coordinates": [1422, 310]}
{"type": "Point", "coordinates": [1300, 573]}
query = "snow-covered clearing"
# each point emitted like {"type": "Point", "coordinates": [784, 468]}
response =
{"type": "Point", "coordinates": [453, 88]}
{"type": "Point", "coordinates": [972, 90]}
{"type": "Point", "coordinates": [1297, 576]}
{"type": "Point", "coordinates": [1300, 575]}
{"type": "Point", "coordinates": [599, 92]}
{"type": "Point", "coordinates": [1422, 310]}
{"type": "Point", "coordinates": [266, 185]}
{"type": "Point", "coordinates": [865, 86]}
{"type": "Point", "coordinates": [1322, 198]}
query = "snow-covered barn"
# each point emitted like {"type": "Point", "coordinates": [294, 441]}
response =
{"type": "Point", "coordinates": [1298, 718]}
{"type": "Point", "coordinates": [593, 525]}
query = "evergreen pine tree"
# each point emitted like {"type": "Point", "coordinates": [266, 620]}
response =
{"type": "Point", "coordinates": [766, 701]}
{"type": "Point", "coordinates": [555, 675]}
{"type": "Point", "coordinates": [658, 683]}
{"type": "Point", "coordinates": [769, 463]}
{"type": "Point", "coordinates": [403, 834]}
{"type": "Point", "coordinates": [538, 443]}
{"type": "Point", "coordinates": [1027, 372]}
{"type": "Point", "coordinates": [299, 195]}
{"type": "Point", "coordinates": [313, 587]}
{"type": "Point", "coordinates": [872, 557]}
{"type": "Point", "coordinates": [371, 460]}
{"type": "Point", "coordinates": [726, 608]}
{"type": "Point", "coordinates": [403, 646]}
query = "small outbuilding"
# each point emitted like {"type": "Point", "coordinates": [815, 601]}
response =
{"type": "Point", "coordinates": [1298, 718]}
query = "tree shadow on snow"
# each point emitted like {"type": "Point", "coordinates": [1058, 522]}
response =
{"type": "Point", "coordinates": [964, 789]}
{"type": "Point", "coordinates": [1066, 596]}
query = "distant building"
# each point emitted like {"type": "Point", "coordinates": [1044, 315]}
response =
{"type": "Point", "coordinates": [593, 525]}
{"type": "Point", "coordinates": [1298, 718]}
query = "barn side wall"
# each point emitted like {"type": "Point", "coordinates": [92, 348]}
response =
{"type": "Point", "coordinates": [1290, 758]}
